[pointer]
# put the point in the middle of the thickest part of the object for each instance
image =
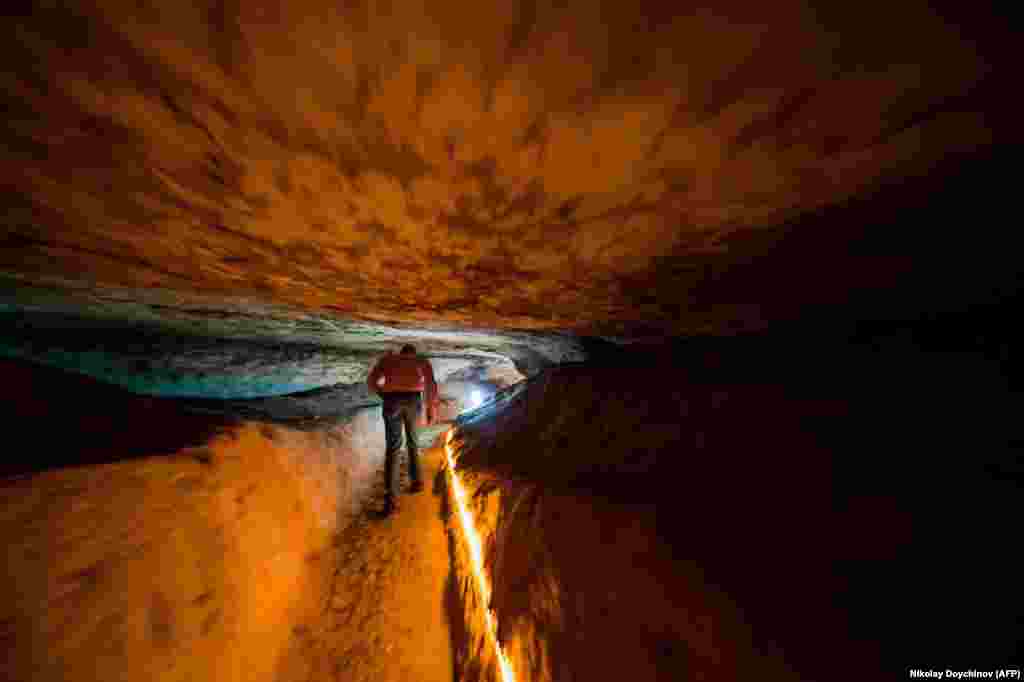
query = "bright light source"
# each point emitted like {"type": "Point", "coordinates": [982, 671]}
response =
{"type": "Point", "coordinates": [476, 555]}
{"type": "Point", "coordinates": [476, 399]}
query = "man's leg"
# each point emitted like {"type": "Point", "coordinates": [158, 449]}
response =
{"type": "Point", "coordinates": [392, 442]}
{"type": "Point", "coordinates": [410, 415]}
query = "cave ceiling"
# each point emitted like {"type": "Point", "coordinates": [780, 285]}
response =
{"type": "Point", "coordinates": [532, 166]}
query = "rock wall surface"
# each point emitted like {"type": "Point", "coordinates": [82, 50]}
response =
{"type": "Point", "coordinates": [757, 510]}
{"type": "Point", "coordinates": [162, 343]}
{"type": "Point", "coordinates": [207, 563]}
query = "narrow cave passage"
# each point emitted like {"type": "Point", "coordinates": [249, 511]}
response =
{"type": "Point", "coordinates": [385, 616]}
{"type": "Point", "coordinates": [713, 516]}
{"type": "Point", "coordinates": [721, 303]}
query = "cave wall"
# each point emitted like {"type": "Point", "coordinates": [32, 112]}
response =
{"type": "Point", "coordinates": [752, 508]}
{"type": "Point", "coordinates": [269, 361]}
{"type": "Point", "coordinates": [208, 563]}
{"type": "Point", "coordinates": [587, 589]}
{"type": "Point", "coordinates": [563, 481]}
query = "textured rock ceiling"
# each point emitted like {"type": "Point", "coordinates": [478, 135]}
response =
{"type": "Point", "coordinates": [487, 164]}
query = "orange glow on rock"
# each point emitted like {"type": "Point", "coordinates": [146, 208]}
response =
{"type": "Point", "coordinates": [476, 553]}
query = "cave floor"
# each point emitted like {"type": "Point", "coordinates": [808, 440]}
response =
{"type": "Point", "coordinates": [385, 619]}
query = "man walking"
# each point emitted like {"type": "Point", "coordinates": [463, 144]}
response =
{"type": "Point", "coordinates": [401, 380]}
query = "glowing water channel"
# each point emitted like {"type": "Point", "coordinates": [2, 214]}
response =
{"type": "Point", "coordinates": [476, 553]}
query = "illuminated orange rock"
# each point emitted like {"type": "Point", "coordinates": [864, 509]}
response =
{"type": "Point", "coordinates": [507, 163]}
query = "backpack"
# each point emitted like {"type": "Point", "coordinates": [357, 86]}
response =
{"type": "Point", "coordinates": [401, 373]}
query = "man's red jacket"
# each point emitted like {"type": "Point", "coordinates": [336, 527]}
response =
{"type": "Point", "coordinates": [405, 373]}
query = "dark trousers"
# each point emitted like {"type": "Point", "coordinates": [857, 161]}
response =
{"type": "Point", "coordinates": [399, 409]}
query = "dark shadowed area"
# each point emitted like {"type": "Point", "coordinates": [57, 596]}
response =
{"type": "Point", "coordinates": [64, 420]}
{"type": "Point", "coordinates": [840, 485]}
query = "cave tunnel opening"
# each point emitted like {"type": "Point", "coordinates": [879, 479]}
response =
{"type": "Point", "coordinates": [720, 305]}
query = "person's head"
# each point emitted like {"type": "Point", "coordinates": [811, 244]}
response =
{"type": "Point", "coordinates": [408, 349]}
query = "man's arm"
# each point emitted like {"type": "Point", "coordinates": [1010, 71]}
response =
{"type": "Point", "coordinates": [371, 380]}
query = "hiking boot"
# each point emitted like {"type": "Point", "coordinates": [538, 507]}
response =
{"type": "Point", "coordinates": [416, 487]}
